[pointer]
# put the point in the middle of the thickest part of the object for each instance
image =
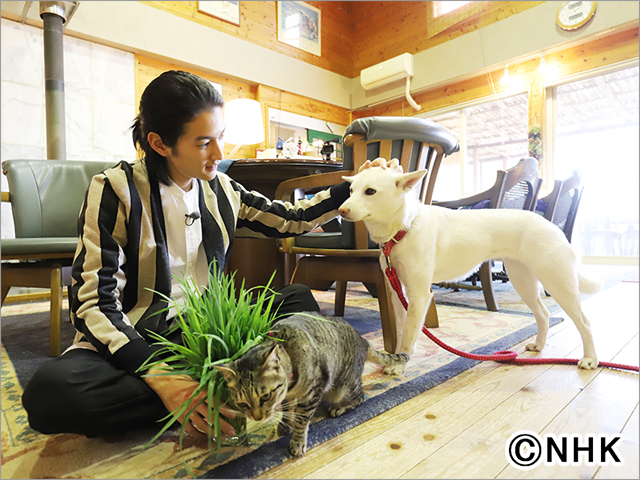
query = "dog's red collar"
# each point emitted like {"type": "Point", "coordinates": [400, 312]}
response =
{"type": "Point", "coordinates": [391, 273]}
{"type": "Point", "coordinates": [386, 248]}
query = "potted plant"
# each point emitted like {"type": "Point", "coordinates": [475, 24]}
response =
{"type": "Point", "coordinates": [217, 326]}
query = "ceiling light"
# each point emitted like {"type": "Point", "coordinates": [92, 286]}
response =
{"type": "Point", "coordinates": [543, 65]}
{"type": "Point", "coordinates": [506, 79]}
{"type": "Point", "coordinates": [548, 71]}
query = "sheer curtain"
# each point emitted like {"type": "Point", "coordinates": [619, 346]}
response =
{"type": "Point", "coordinates": [596, 131]}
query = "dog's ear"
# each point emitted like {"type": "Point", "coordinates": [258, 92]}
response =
{"type": "Point", "coordinates": [409, 180]}
{"type": "Point", "coordinates": [348, 179]}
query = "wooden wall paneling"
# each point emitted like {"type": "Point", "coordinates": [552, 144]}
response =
{"type": "Point", "coordinates": [258, 22]}
{"type": "Point", "coordinates": [384, 30]}
{"type": "Point", "coordinates": [270, 97]}
{"type": "Point", "coordinates": [603, 51]}
{"type": "Point", "coordinates": [535, 107]}
{"type": "Point", "coordinates": [491, 12]}
{"type": "Point", "coordinates": [440, 97]}
{"type": "Point", "coordinates": [149, 68]}
{"type": "Point", "coordinates": [355, 35]}
{"type": "Point", "coordinates": [337, 37]}
{"type": "Point", "coordinates": [599, 52]}
{"type": "Point", "coordinates": [378, 26]}
{"type": "Point", "coordinates": [291, 102]}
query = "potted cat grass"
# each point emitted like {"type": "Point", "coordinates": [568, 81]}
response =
{"type": "Point", "coordinates": [217, 326]}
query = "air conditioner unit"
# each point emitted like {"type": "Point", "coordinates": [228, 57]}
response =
{"type": "Point", "coordinates": [389, 71]}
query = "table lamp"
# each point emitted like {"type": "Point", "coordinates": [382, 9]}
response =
{"type": "Point", "coordinates": [243, 119]}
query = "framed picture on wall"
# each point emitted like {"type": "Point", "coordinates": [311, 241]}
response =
{"type": "Point", "coordinates": [299, 26]}
{"type": "Point", "coordinates": [224, 10]}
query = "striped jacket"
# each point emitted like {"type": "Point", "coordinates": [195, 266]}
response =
{"type": "Point", "coordinates": [122, 252]}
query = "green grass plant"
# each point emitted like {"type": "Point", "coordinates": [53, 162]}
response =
{"type": "Point", "coordinates": [217, 326]}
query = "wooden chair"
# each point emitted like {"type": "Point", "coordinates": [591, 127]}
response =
{"type": "Point", "coordinates": [516, 188]}
{"type": "Point", "coordinates": [349, 255]}
{"type": "Point", "coordinates": [560, 207]}
{"type": "Point", "coordinates": [46, 197]}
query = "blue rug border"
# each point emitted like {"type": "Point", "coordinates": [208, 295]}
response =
{"type": "Point", "coordinates": [275, 453]}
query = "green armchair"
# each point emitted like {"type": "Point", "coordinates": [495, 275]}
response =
{"type": "Point", "coordinates": [46, 197]}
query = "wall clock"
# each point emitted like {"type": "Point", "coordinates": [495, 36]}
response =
{"type": "Point", "coordinates": [573, 15]}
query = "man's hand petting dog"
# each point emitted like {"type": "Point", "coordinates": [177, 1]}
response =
{"type": "Point", "coordinates": [393, 165]}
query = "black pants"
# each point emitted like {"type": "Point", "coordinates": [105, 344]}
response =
{"type": "Point", "coordinates": [81, 392]}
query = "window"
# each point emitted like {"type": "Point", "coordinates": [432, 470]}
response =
{"type": "Point", "coordinates": [440, 8]}
{"type": "Point", "coordinates": [494, 137]}
{"type": "Point", "coordinates": [596, 131]}
{"type": "Point", "coordinates": [446, 14]}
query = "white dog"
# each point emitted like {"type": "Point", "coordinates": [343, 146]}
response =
{"type": "Point", "coordinates": [443, 245]}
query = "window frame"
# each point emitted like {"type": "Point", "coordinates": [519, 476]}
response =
{"type": "Point", "coordinates": [460, 107]}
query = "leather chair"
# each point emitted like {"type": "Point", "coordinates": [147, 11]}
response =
{"type": "Point", "coordinates": [515, 188]}
{"type": "Point", "coordinates": [349, 255]}
{"type": "Point", "coordinates": [46, 197]}
{"type": "Point", "coordinates": [560, 207]}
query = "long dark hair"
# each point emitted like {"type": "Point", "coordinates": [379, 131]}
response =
{"type": "Point", "coordinates": [169, 101]}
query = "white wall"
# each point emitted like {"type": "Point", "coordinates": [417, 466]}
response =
{"type": "Point", "coordinates": [99, 101]}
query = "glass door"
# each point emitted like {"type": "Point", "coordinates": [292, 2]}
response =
{"type": "Point", "coordinates": [595, 121]}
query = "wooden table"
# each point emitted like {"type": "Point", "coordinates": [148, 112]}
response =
{"type": "Point", "coordinates": [255, 259]}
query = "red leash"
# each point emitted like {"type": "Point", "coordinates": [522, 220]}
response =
{"type": "Point", "coordinates": [505, 356]}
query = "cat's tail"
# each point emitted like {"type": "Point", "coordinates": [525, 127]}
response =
{"type": "Point", "coordinates": [386, 359]}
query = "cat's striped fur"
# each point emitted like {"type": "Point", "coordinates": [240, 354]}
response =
{"type": "Point", "coordinates": [305, 359]}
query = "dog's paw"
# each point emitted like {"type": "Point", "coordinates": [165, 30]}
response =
{"type": "Point", "coordinates": [534, 347]}
{"type": "Point", "coordinates": [588, 363]}
{"type": "Point", "coordinates": [396, 369]}
{"type": "Point", "coordinates": [297, 449]}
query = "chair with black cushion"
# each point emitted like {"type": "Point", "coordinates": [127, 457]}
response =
{"type": "Point", "coordinates": [560, 207]}
{"type": "Point", "coordinates": [46, 197]}
{"type": "Point", "coordinates": [349, 254]}
{"type": "Point", "coordinates": [515, 188]}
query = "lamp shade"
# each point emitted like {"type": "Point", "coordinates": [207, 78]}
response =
{"type": "Point", "coordinates": [243, 118]}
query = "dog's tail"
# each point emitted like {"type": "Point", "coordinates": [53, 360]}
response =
{"type": "Point", "coordinates": [386, 359]}
{"type": "Point", "coordinates": [588, 285]}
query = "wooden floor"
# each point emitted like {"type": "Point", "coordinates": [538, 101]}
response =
{"type": "Point", "coordinates": [460, 428]}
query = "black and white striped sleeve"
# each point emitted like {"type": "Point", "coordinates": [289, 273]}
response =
{"type": "Point", "coordinates": [278, 219]}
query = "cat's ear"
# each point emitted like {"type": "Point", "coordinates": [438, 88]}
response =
{"type": "Point", "coordinates": [273, 359]}
{"type": "Point", "coordinates": [229, 374]}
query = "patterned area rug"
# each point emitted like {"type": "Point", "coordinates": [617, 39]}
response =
{"type": "Point", "coordinates": [28, 454]}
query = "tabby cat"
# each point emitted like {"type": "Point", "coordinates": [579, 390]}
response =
{"type": "Point", "coordinates": [316, 359]}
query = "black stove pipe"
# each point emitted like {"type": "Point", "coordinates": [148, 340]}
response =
{"type": "Point", "coordinates": [53, 16]}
